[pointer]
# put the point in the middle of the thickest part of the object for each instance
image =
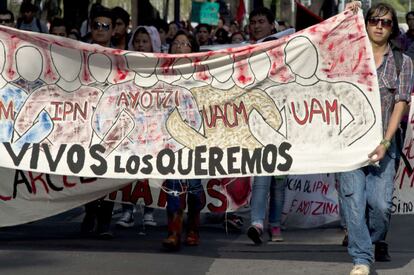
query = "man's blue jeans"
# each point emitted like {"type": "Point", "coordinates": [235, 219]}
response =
{"type": "Point", "coordinates": [366, 198]}
{"type": "Point", "coordinates": [267, 190]}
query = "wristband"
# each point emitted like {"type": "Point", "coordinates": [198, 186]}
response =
{"type": "Point", "coordinates": [386, 143]}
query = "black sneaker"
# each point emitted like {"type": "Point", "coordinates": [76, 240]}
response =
{"type": "Point", "coordinates": [381, 252]}
{"type": "Point", "coordinates": [255, 234]}
{"type": "Point", "coordinates": [104, 232]}
{"type": "Point", "coordinates": [105, 235]}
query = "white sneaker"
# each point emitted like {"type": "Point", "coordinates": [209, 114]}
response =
{"type": "Point", "coordinates": [149, 220]}
{"type": "Point", "coordinates": [360, 269]}
{"type": "Point", "coordinates": [127, 220]}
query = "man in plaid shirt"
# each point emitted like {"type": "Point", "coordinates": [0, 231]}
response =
{"type": "Point", "coordinates": [366, 193]}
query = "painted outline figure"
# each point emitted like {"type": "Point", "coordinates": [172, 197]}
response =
{"type": "Point", "coordinates": [99, 66]}
{"type": "Point", "coordinates": [29, 76]}
{"type": "Point", "coordinates": [69, 104]}
{"type": "Point", "coordinates": [322, 114]}
{"type": "Point", "coordinates": [146, 100]}
{"type": "Point", "coordinates": [225, 114]}
{"type": "Point", "coordinates": [148, 108]}
{"type": "Point", "coordinates": [11, 100]}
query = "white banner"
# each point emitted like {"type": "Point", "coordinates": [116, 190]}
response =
{"type": "Point", "coordinates": [311, 201]}
{"type": "Point", "coordinates": [305, 103]}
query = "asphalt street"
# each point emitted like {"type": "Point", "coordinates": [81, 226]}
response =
{"type": "Point", "coordinates": [54, 246]}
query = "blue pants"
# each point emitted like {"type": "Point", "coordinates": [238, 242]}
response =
{"type": "Point", "coordinates": [366, 198]}
{"type": "Point", "coordinates": [267, 190]}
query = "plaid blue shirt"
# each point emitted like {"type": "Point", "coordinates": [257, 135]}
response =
{"type": "Point", "coordinates": [392, 88]}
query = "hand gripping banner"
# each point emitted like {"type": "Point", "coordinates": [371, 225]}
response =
{"type": "Point", "coordinates": [306, 103]}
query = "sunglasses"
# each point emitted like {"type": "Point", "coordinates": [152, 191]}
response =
{"type": "Point", "coordinates": [386, 23]}
{"type": "Point", "coordinates": [101, 26]}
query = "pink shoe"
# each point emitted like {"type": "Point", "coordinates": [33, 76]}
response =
{"type": "Point", "coordinates": [275, 234]}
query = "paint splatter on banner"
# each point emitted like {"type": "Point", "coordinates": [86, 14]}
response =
{"type": "Point", "coordinates": [305, 103]}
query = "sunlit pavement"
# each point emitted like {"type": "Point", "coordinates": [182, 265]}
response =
{"type": "Point", "coordinates": [54, 246]}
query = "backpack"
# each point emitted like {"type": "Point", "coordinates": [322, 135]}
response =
{"type": "Point", "coordinates": [398, 58]}
{"type": "Point", "coordinates": [400, 134]}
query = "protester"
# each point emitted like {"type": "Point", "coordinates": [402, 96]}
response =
{"type": "Point", "coordinates": [162, 28]}
{"type": "Point", "coordinates": [102, 26]}
{"type": "Point", "coordinates": [74, 34]}
{"type": "Point", "coordinates": [58, 27]}
{"type": "Point", "coordinates": [28, 21]}
{"type": "Point", "coordinates": [264, 187]}
{"type": "Point", "coordinates": [183, 43]}
{"type": "Point", "coordinates": [6, 18]}
{"type": "Point", "coordinates": [366, 193]}
{"type": "Point", "coordinates": [172, 30]}
{"type": "Point", "coordinates": [237, 38]}
{"type": "Point", "coordinates": [203, 32]}
{"type": "Point", "coordinates": [144, 39]}
{"type": "Point", "coordinates": [221, 23]}
{"type": "Point", "coordinates": [186, 25]}
{"type": "Point", "coordinates": [234, 27]}
{"type": "Point", "coordinates": [222, 36]}
{"type": "Point", "coordinates": [121, 37]}
{"type": "Point", "coordinates": [407, 39]}
{"type": "Point", "coordinates": [262, 26]}
{"type": "Point", "coordinates": [85, 29]}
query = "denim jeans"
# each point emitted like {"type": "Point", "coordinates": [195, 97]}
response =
{"type": "Point", "coordinates": [194, 191]}
{"type": "Point", "coordinates": [267, 190]}
{"type": "Point", "coordinates": [366, 198]}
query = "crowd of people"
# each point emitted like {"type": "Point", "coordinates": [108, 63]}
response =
{"type": "Point", "coordinates": [204, 34]}
{"type": "Point", "coordinates": [364, 194]}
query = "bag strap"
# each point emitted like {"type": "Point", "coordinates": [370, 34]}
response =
{"type": "Point", "coordinates": [398, 60]}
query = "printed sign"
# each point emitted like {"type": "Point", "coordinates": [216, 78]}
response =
{"type": "Point", "coordinates": [209, 13]}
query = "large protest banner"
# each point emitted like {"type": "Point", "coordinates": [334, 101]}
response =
{"type": "Point", "coordinates": [302, 104]}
